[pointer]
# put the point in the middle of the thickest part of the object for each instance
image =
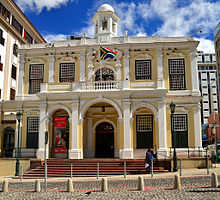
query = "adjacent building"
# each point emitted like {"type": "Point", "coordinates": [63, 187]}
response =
{"type": "Point", "coordinates": [15, 30]}
{"type": "Point", "coordinates": [217, 51]}
{"type": "Point", "coordinates": [113, 108]}
{"type": "Point", "coordinates": [207, 84]}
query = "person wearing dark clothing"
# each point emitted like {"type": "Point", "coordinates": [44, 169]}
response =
{"type": "Point", "coordinates": [148, 161]}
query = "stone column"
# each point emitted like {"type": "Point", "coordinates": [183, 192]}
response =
{"type": "Point", "coordinates": [126, 68]}
{"type": "Point", "coordinates": [160, 78]}
{"type": "Point", "coordinates": [51, 69]}
{"type": "Point", "coordinates": [118, 70]}
{"type": "Point", "coordinates": [194, 71]}
{"type": "Point", "coordinates": [75, 152]}
{"type": "Point", "coordinates": [197, 126]}
{"type": "Point", "coordinates": [162, 124]}
{"type": "Point", "coordinates": [20, 78]}
{"type": "Point", "coordinates": [90, 132]}
{"type": "Point", "coordinates": [42, 129]}
{"type": "Point", "coordinates": [127, 152]}
{"type": "Point", "coordinates": [82, 66]}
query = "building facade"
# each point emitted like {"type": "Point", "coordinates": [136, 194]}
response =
{"type": "Point", "coordinates": [207, 84]}
{"type": "Point", "coordinates": [15, 30]}
{"type": "Point", "coordinates": [114, 108]}
{"type": "Point", "coordinates": [217, 52]}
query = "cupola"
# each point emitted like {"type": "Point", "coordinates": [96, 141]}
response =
{"type": "Point", "coordinates": [105, 23]}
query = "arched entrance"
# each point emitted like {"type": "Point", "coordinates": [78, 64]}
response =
{"type": "Point", "coordinates": [9, 142]}
{"type": "Point", "coordinates": [60, 134]}
{"type": "Point", "coordinates": [104, 140]}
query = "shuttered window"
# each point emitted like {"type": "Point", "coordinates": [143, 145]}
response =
{"type": "Point", "coordinates": [177, 74]}
{"type": "Point", "coordinates": [67, 72]}
{"type": "Point", "coordinates": [32, 132]}
{"type": "Point", "coordinates": [36, 78]}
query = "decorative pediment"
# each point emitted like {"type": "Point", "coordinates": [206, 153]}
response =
{"type": "Point", "coordinates": [35, 60]}
{"type": "Point", "coordinates": [141, 55]}
{"type": "Point", "coordinates": [68, 58]}
{"type": "Point", "coordinates": [181, 110]}
{"type": "Point", "coordinates": [176, 55]}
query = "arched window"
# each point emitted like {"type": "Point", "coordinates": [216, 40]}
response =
{"type": "Point", "coordinates": [104, 24]}
{"type": "Point", "coordinates": [104, 74]}
{"type": "Point", "coordinates": [15, 49]}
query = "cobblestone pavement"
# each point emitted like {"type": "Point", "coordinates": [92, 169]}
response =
{"type": "Point", "coordinates": [195, 193]}
{"type": "Point", "coordinates": [155, 188]}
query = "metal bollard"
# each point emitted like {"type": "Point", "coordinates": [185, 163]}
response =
{"type": "Point", "coordinates": [97, 170]}
{"type": "Point", "coordinates": [71, 171]}
{"type": "Point", "coordinates": [170, 152]}
{"type": "Point", "coordinates": [180, 167]}
{"type": "Point", "coordinates": [125, 170]}
{"type": "Point", "coordinates": [207, 163]}
{"type": "Point", "coordinates": [45, 177]}
{"type": "Point", "coordinates": [188, 153]}
{"type": "Point", "coordinates": [21, 173]}
{"type": "Point", "coordinates": [152, 168]}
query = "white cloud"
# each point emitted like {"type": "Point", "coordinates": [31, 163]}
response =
{"type": "Point", "coordinates": [38, 5]}
{"type": "Point", "coordinates": [180, 20]}
{"type": "Point", "coordinates": [51, 37]}
{"type": "Point", "coordinates": [205, 45]}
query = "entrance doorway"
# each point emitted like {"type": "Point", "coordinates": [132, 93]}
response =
{"type": "Point", "coordinates": [60, 134]}
{"type": "Point", "coordinates": [104, 140]}
{"type": "Point", "coordinates": [9, 142]}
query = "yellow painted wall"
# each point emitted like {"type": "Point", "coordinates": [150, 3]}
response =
{"type": "Point", "coordinates": [188, 74]}
{"type": "Point", "coordinates": [7, 166]}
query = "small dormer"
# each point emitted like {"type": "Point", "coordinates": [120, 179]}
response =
{"type": "Point", "coordinates": [105, 23]}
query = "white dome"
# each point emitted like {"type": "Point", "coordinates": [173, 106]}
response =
{"type": "Point", "coordinates": [106, 7]}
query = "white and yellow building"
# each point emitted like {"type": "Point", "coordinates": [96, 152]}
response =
{"type": "Point", "coordinates": [114, 108]}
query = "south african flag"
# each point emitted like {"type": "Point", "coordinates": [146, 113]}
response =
{"type": "Point", "coordinates": [106, 53]}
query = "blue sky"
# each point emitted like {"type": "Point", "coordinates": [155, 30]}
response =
{"type": "Point", "coordinates": [55, 19]}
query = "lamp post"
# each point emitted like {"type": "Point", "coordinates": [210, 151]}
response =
{"type": "Point", "coordinates": [18, 116]}
{"type": "Point", "coordinates": [172, 109]}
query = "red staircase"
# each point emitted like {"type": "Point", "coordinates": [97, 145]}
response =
{"type": "Point", "coordinates": [88, 167]}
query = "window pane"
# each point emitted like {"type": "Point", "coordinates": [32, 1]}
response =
{"type": "Point", "coordinates": [33, 124]}
{"type": "Point", "coordinates": [180, 122]}
{"type": "Point", "coordinates": [12, 94]}
{"type": "Point", "coordinates": [36, 78]}
{"type": "Point", "coordinates": [67, 72]}
{"type": "Point", "coordinates": [144, 123]}
{"type": "Point", "coordinates": [142, 69]}
{"type": "Point", "coordinates": [32, 132]}
{"type": "Point", "coordinates": [177, 74]}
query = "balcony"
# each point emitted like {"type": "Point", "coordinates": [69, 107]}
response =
{"type": "Point", "coordinates": [101, 85]}
{"type": "Point", "coordinates": [82, 86]}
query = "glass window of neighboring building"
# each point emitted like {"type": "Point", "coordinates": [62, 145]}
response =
{"type": "Point", "coordinates": [12, 94]}
{"type": "Point", "coordinates": [28, 37]}
{"type": "Point", "coordinates": [13, 72]}
{"type": "Point", "coordinates": [17, 25]}
{"type": "Point", "coordinates": [15, 49]}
